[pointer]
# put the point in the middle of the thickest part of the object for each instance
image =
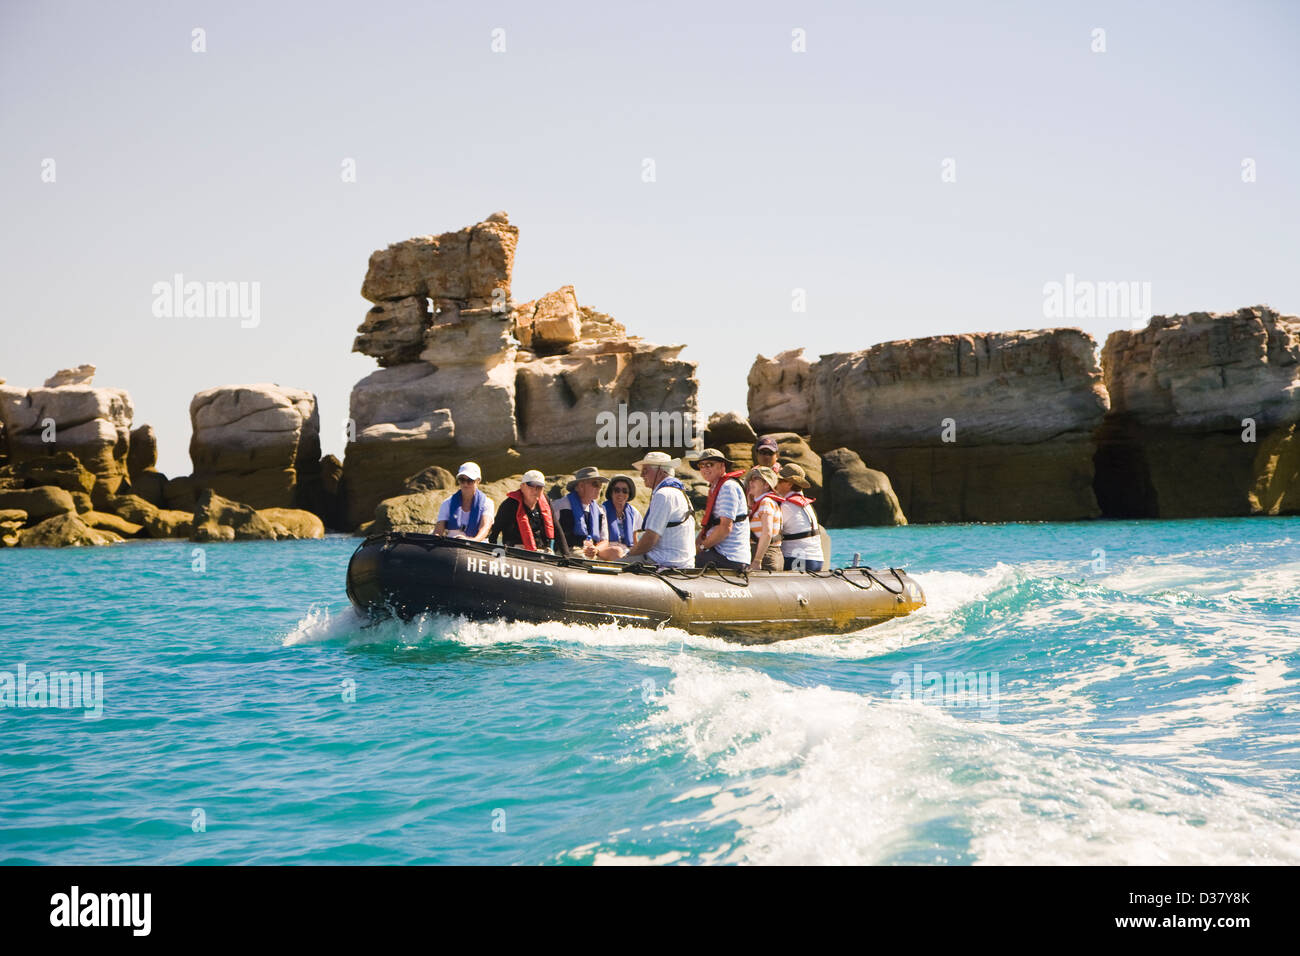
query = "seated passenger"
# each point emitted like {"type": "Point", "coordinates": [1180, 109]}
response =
{"type": "Point", "coordinates": [764, 520]}
{"type": "Point", "coordinates": [468, 513]}
{"type": "Point", "coordinates": [621, 517]}
{"type": "Point", "coordinates": [724, 540]}
{"type": "Point", "coordinates": [581, 517]}
{"type": "Point", "coordinates": [801, 538]}
{"type": "Point", "coordinates": [525, 519]}
{"type": "Point", "coordinates": [765, 451]}
{"type": "Point", "coordinates": [669, 521]}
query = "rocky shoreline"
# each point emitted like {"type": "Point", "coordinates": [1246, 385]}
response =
{"type": "Point", "coordinates": [1193, 416]}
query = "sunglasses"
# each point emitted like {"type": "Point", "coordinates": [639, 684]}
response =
{"type": "Point", "coordinates": [464, 480]}
{"type": "Point", "coordinates": [620, 490]}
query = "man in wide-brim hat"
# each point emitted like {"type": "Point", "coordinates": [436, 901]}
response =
{"type": "Point", "coordinates": [801, 546]}
{"type": "Point", "coordinates": [581, 517]}
{"type": "Point", "coordinates": [668, 531]}
{"type": "Point", "coordinates": [724, 540]}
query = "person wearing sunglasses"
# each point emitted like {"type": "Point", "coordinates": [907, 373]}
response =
{"type": "Point", "coordinates": [621, 516]}
{"type": "Point", "coordinates": [469, 512]}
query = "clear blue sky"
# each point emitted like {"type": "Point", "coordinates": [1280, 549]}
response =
{"type": "Point", "coordinates": [775, 171]}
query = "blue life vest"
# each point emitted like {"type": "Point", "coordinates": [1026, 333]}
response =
{"type": "Point", "coordinates": [475, 513]}
{"type": "Point", "coordinates": [586, 521]}
{"type": "Point", "coordinates": [620, 532]}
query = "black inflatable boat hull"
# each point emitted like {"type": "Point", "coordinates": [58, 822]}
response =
{"type": "Point", "coordinates": [409, 574]}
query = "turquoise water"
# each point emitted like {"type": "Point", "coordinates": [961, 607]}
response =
{"type": "Point", "coordinates": [1146, 710]}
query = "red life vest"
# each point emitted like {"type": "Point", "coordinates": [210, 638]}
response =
{"type": "Point", "coordinates": [713, 494]}
{"type": "Point", "coordinates": [797, 499]}
{"type": "Point", "coordinates": [521, 518]}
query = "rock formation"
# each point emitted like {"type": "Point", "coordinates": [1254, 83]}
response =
{"type": "Point", "coordinates": [854, 495]}
{"type": "Point", "coordinates": [93, 424]}
{"type": "Point", "coordinates": [1204, 413]}
{"type": "Point", "coordinates": [990, 427]}
{"type": "Point", "coordinates": [468, 374]}
{"type": "Point", "coordinates": [254, 443]}
{"type": "Point", "coordinates": [63, 531]}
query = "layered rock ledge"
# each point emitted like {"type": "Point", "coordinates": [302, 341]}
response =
{"type": "Point", "coordinates": [975, 427]}
{"type": "Point", "coordinates": [1204, 412]}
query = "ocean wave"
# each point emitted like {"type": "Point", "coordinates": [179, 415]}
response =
{"type": "Point", "coordinates": [814, 775]}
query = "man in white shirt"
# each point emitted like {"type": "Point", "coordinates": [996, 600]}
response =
{"type": "Point", "coordinates": [667, 536]}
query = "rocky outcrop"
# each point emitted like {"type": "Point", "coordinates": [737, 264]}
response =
{"type": "Point", "coordinates": [157, 522]}
{"type": "Point", "coordinates": [142, 466]}
{"type": "Point", "coordinates": [11, 523]}
{"type": "Point", "coordinates": [511, 386]}
{"type": "Point", "coordinates": [293, 523]}
{"type": "Point", "coordinates": [65, 531]}
{"type": "Point", "coordinates": [254, 443]}
{"type": "Point", "coordinates": [94, 424]}
{"type": "Point", "coordinates": [1204, 416]}
{"type": "Point", "coordinates": [111, 522]}
{"type": "Point", "coordinates": [991, 427]}
{"type": "Point", "coordinates": [219, 519]}
{"type": "Point", "coordinates": [39, 503]}
{"type": "Point", "coordinates": [854, 495]}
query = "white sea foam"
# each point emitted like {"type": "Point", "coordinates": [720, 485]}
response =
{"type": "Point", "coordinates": [825, 776]}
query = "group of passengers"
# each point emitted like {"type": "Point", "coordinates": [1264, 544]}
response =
{"type": "Point", "coordinates": [755, 520]}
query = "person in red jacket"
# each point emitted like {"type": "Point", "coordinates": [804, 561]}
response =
{"type": "Point", "coordinates": [524, 519]}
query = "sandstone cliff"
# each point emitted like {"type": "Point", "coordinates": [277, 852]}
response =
{"type": "Point", "coordinates": [1204, 416]}
{"type": "Point", "coordinates": [975, 427]}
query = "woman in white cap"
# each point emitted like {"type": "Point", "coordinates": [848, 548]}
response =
{"type": "Point", "coordinates": [469, 512]}
{"type": "Point", "coordinates": [668, 538]}
{"type": "Point", "coordinates": [525, 519]}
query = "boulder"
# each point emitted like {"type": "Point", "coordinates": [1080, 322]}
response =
{"type": "Point", "coordinates": [11, 522]}
{"type": "Point", "coordinates": [65, 531]}
{"type": "Point", "coordinates": [93, 424]}
{"type": "Point", "coordinates": [220, 519]}
{"type": "Point", "coordinates": [157, 522]}
{"type": "Point", "coordinates": [80, 375]}
{"type": "Point", "coordinates": [254, 442]}
{"type": "Point", "coordinates": [990, 427]}
{"type": "Point", "coordinates": [111, 522]}
{"type": "Point", "coordinates": [412, 512]}
{"type": "Point", "coordinates": [1205, 417]}
{"type": "Point", "coordinates": [548, 324]}
{"type": "Point", "coordinates": [293, 523]}
{"type": "Point", "coordinates": [433, 478]}
{"type": "Point", "coordinates": [728, 428]}
{"type": "Point", "coordinates": [151, 485]}
{"type": "Point", "coordinates": [82, 501]}
{"type": "Point", "coordinates": [39, 503]}
{"type": "Point", "coordinates": [854, 495]}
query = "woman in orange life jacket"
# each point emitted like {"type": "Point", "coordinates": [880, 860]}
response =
{"type": "Point", "coordinates": [801, 534]}
{"type": "Point", "coordinates": [764, 520]}
{"type": "Point", "coordinates": [525, 520]}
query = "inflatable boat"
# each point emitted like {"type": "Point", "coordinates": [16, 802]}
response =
{"type": "Point", "coordinates": [407, 574]}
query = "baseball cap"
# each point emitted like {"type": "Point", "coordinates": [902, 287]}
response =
{"type": "Point", "coordinates": [470, 470]}
{"type": "Point", "coordinates": [533, 477]}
